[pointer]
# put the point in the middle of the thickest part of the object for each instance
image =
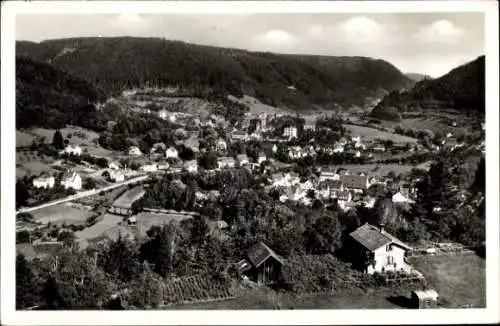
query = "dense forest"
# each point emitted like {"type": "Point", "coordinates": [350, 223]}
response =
{"type": "Point", "coordinates": [47, 96]}
{"type": "Point", "coordinates": [295, 81]}
{"type": "Point", "coordinates": [461, 89]}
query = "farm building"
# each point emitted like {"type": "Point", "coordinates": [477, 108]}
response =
{"type": "Point", "coordinates": [76, 150]}
{"type": "Point", "coordinates": [44, 181]}
{"type": "Point", "coordinates": [225, 162]}
{"type": "Point", "coordinates": [116, 176]}
{"type": "Point", "coordinates": [378, 251]}
{"type": "Point", "coordinates": [123, 205]}
{"type": "Point", "coordinates": [261, 264]}
{"type": "Point", "coordinates": [357, 183]}
{"type": "Point", "coordinates": [71, 179]}
{"type": "Point", "coordinates": [424, 299]}
{"type": "Point", "coordinates": [114, 165]}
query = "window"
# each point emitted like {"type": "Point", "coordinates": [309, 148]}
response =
{"type": "Point", "coordinates": [390, 260]}
{"type": "Point", "coordinates": [388, 248]}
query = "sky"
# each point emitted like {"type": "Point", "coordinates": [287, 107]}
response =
{"type": "Point", "coordinates": [426, 43]}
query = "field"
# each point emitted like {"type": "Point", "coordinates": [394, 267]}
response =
{"type": "Point", "coordinates": [266, 298]}
{"type": "Point", "coordinates": [256, 106]}
{"type": "Point", "coordinates": [198, 287]}
{"type": "Point", "coordinates": [145, 220]}
{"type": "Point", "coordinates": [372, 134]}
{"type": "Point", "coordinates": [29, 163]}
{"type": "Point", "coordinates": [23, 139]}
{"type": "Point", "coordinates": [129, 197]}
{"type": "Point", "coordinates": [107, 223]}
{"type": "Point", "coordinates": [381, 169]}
{"type": "Point", "coordinates": [459, 279]}
{"type": "Point", "coordinates": [79, 136]}
{"type": "Point", "coordinates": [58, 214]}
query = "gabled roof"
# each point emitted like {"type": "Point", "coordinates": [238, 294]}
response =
{"type": "Point", "coordinates": [242, 157]}
{"type": "Point", "coordinates": [372, 238]}
{"type": "Point", "coordinates": [354, 181]}
{"type": "Point", "coordinates": [259, 253]}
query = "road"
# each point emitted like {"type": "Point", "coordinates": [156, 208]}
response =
{"type": "Point", "coordinates": [83, 194]}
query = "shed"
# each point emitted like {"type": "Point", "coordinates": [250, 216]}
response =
{"type": "Point", "coordinates": [262, 264]}
{"type": "Point", "coordinates": [424, 299]}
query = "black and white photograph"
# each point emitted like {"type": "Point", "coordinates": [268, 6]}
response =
{"type": "Point", "coordinates": [179, 158]}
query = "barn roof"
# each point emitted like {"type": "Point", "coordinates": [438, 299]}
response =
{"type": "Point", "coordinates": [259, 253]}
{"type": "Point", "coordinates": [372, 238]}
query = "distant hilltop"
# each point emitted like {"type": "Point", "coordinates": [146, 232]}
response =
{"type": "Point", "coordinates": [298, 82]}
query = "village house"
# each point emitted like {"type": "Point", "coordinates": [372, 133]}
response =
{"type": "Point", "coordinates": [158, 147]}
{"type": "Point", "coordinates": [44, 181]}
{"type": "Point", "coordinates": [171, 152]}
{"type": "Point", "coordinates": [191, 166]}
{"type": "Point", "coordinates": [221, 145]}
{"type": "Point", "coordinates": [344, 197]}
{"type": "Point", "coordinates": [116, 176]}
{"type": "Point", "coordinates": [329, 174]}
{"type": "Point", "coordinates": [330, 188]}
{"type": "Point", "coordinates": [149, 168]}
{"type": "Point", "coordinates": [290, 132]}
{"type": "Point", "coordinates": [225, 162]}
{"type": "Point", "coordinates": [261, 158]}
{"type": "Point", "coordinates": [71, 179]}
{"type": "Point", "coordinates": [261, 264]}
{"type": "Point", "coordinates": [378, 251]}
{"type": "Point", "coordinates": [134, 151]}
{"type": "Point", "coordinates": [309, 127]}
{"type": "Point", "coordinates": [242, 159]}
{"type": "Point", "coordinates": [73, 150]}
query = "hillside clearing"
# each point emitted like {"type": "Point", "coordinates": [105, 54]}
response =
{"type": "Point", "coordinates": [372, 134]}
{"type": "Point", "coordinates": [381, 169]}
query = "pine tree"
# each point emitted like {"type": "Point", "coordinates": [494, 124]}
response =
{"type": "Point", "coordinates": [58, 140]}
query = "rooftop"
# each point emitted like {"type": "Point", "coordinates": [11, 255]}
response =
{"type": "Point", "coordinates": [372, 238]}
{"type": "Point", "coordinates": [259, 253]}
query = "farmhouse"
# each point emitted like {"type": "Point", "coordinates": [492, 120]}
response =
{"type": "Point", "coordinates": [71, 179]}
{"type": "Point", "coordinates": [379, 251]}
{"type": "Point", "coordinates": [223, 162]}
{"type": "Point", "coordinates": [134, 151]}
{"type": "Point", "coordinates": [44, 181]}
{"type": "Point", "coordinates": [329, 174]}
{"type": "Point", "coordinates": [171, 152]}
{"type": "Point", "coordinates": [262, 264]}
{"type": "Point", "coordinates": [76, 150]}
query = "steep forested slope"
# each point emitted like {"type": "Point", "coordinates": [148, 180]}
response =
{"type": "Point", "coordinates": [296, 81]}
{"type": "Point", "coordinates": [461, 89]}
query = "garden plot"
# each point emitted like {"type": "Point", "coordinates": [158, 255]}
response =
{"type": "Point", "coordinates": [60, 214]}
{"type": "Point", "coordinates": [106, 223]}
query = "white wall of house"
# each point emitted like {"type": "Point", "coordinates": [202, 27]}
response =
{"type": "Point", "coordinates": [385, 257]}
{"type": "Point", "coordinates": [73, 182]}
{"type": "Point", "coordinates": [44, 182]}
{"type": "Point", "coordinates": [171, 153]}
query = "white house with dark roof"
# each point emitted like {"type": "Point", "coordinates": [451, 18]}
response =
{"type": "Point", "coordinates": [44, 181]}
{"type": "Point", "coordinates": [357, 183]}
{"type": "Point", "coordinates": [71, 179]}
{"type": "Point", "coordinates": [242, 159]}
{"type": "Point", "coordinates": [379, 250]}
{"type": "Point", "coordinates": [290, 132]}
{"type": "Point", "coordinates": [134, 151]}
{"type": "Point", "coordinates": [225, 162]}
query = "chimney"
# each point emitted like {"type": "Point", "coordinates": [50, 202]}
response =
{"type": "Point", "coordinates": [381, 227]}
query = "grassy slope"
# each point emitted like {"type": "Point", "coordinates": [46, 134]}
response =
{"type": "Point", "coordinates": [459, 279]}
{"type": "Point", "coordinates": [371, 133]}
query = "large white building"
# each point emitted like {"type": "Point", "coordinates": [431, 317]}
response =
{"type": "Point", "coordinates": [44, 181]}
{"type": "Point", "coordinates": [290, 132]}
{"type": "Point", "coordinates": [71, 179]}
{"type": "Point", "coordinates": [223, 162]}
{"type": "Point", "coordinates": [75, 150]}
{"type": "Point", "coordinates": [172, 152]}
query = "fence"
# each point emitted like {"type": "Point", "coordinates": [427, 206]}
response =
{"type": "Point", "coordinates": [441, 249]}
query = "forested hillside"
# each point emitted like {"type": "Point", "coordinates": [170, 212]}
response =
{"type": "Point", "coordinates": [49, 97]}
{"type": "Point", "coordinates": [461, 89]}
{"type": "Point", "coordinates": [295, 81]}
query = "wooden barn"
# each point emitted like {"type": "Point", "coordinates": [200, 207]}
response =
{"type": "Point", "coordinates": [262, 265]}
